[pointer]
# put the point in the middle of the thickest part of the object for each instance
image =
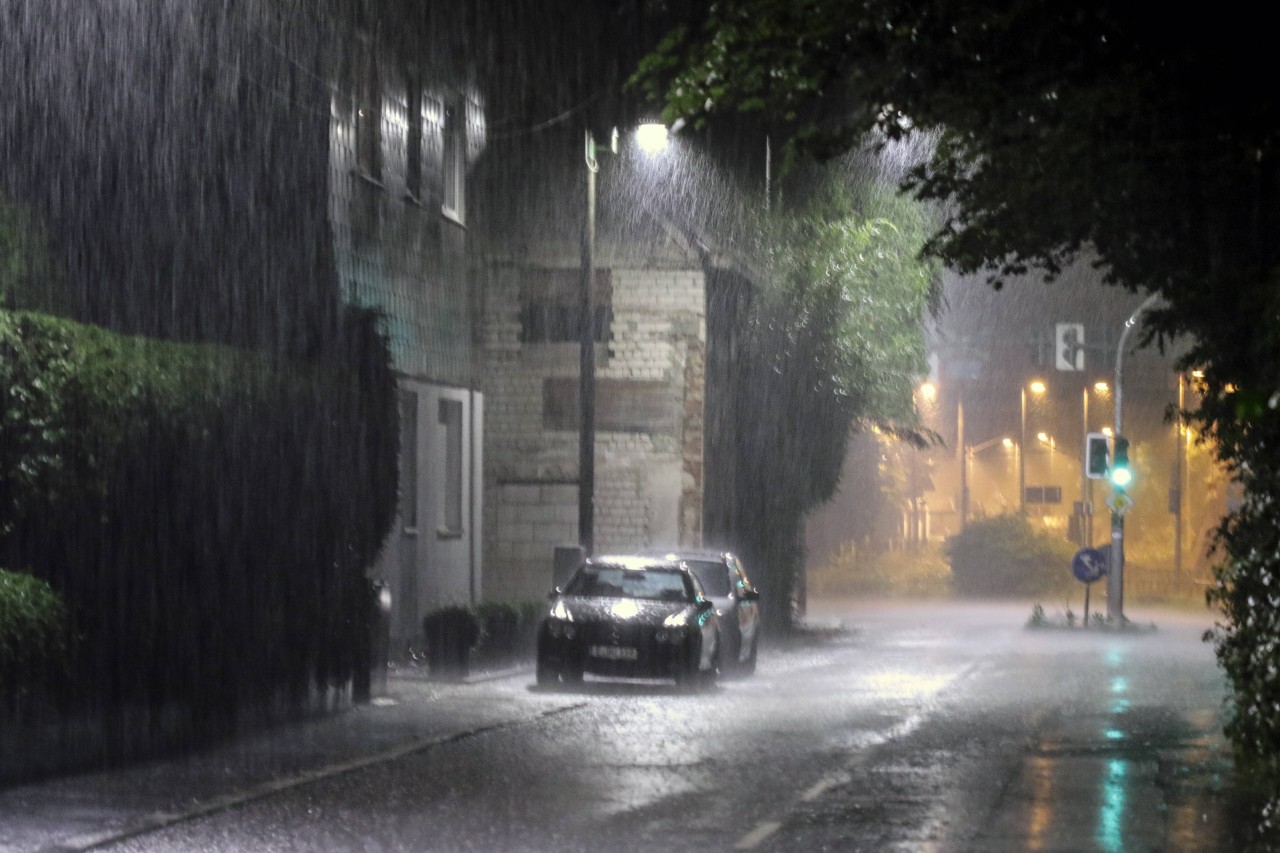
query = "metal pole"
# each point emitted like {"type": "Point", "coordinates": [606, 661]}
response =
{"type": "Point", "coordinates": [1084, 474]}
{"type": "Point", "coordinates": [1022, 453]}
{"type": "Point", "coordinates": [1115, 574]}
{"type": "Point", "coordinates": [964, 464]}
{"type": "Point", "coordinates": [587, 360]}
{"type": "Point", "coordinates": [1179, 449]}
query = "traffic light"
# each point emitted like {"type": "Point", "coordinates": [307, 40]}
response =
{"type": "Point", "coordinates": [1120, 474]}
{"type": "Point", "coordinates": [1095, 456]}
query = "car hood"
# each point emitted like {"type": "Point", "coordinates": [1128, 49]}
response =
{"type": "Point", "coordinates": [636, 611]}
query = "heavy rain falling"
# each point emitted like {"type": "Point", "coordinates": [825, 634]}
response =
{"type": "Point", "coordinates": [504, 425]}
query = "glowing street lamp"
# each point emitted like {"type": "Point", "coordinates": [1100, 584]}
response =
{"type": "Point", "coordinates": [652, 137]}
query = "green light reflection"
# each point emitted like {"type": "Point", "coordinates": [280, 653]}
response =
{"type": "Point", "coordinates": [1114, 794]}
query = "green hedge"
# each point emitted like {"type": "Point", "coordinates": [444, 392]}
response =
{"type": "Point", "coordinates": [1006, 556]}
{"type": "Point", "coordinates": [500, 633]}
{"type": "Point", "coordinates": [205, 513]}
{"type": "Point", "coordinates": [33, 634]}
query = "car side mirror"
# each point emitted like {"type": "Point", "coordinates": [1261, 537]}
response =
{"type": "Point", "coordinates": [554, 594]}
{"type": "Point", "coordinates": [704, 604]}
{"type": "Point", "coordinates": [749, 595]}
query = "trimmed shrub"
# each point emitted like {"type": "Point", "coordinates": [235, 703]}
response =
{"type": "Point", "coordinates": [499, 631]}
{"type": "Point", "coordinates": [892, 574]}
{"type": "Point", "coordinates": [451, 633]}
{"type": "Point", "coordinates": [1005, 556]}
{"type": "Point", "coordinates": [33, 634]}
{"type": "Point", "coordinates": [531, 613]}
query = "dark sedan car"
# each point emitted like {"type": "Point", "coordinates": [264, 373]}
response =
{"type": "Point", "coordinates": [630, 617]}
{"type": "Point", "coordinates": [725, 582]}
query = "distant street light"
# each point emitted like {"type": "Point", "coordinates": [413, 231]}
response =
{"type": "Point", "coordinates": [1052, 445]}
{"type": "Point", "coordinates": [965, 467]}
{"type": "Point", "coordinates": [1036, 387]}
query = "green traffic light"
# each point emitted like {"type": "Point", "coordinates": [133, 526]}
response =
{"type": "Point", "coordinates": [1120, 474]}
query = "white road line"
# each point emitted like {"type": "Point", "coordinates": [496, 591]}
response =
{"type": "Point", "coordinates": [760, 833]}
{"type": "Point", "coordinates": [764, 829]}
{"type": "Point", "coordinates": [824, 785]}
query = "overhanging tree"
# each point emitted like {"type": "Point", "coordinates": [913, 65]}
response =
{"type": "Point", "coordinates": [1090, 126]}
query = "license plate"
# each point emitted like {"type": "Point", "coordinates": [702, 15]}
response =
{"type": "Point", "coordinates": [613, 652]}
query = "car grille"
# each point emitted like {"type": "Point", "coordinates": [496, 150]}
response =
{"type": "Point", "coordinates": [652, 658]}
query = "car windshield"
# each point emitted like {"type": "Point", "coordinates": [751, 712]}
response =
{"type": "Point", "coordinates": [605, 582]}
{"type": "Point", "coordinates": [713, 576]}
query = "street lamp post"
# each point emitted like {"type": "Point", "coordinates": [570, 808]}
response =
{"type": "Point", "coordinates": [1037, 387]}
{"type": "Point", "coordinates": [1115, 573]}
{"type": "Point", "coordinates": [587, 359]}
{"type": "Point", "coordinates": [1052, 445]}
{"type": "Point", "coordinates": [967, 454]}
{"type": "Point", "coordinates": [652, 139]}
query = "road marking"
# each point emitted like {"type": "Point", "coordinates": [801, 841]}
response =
{"type": "Point", "coordinates": [824, 785]}
{"type": "Point", "coordinates": [760, 833]}
{"type": "Point", "coordinates": [913, 721]}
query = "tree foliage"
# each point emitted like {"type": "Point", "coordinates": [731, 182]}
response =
{"type": "Point", "coordinates": [1093, 126]}
{"type": "Point", "coordinates": [33, 635]}
{"type": "Point", "coordinates": [832, 340]}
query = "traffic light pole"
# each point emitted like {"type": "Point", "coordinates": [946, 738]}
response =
{"type": "Point", "coordinates": [1115, 563]}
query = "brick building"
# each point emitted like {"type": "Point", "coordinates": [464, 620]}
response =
{"type": "Point", "coordinates": [650, 364]}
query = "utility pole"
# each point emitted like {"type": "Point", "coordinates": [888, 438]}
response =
{"type": "Point", "coordinates": [587, 359]}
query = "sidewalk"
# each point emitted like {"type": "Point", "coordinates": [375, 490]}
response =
{"type": "Point", "coordinates": [96, 809]}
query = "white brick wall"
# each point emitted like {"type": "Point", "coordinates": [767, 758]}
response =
{"type": "Point", "coordinates": [643, 493]}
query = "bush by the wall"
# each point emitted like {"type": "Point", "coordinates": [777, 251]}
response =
{"type": "Point", "coordinates": [451, 633]}
{"type": "Point", "coordinates": [205, 513]}
{"type": "Point", "coordinates": [1007, 556]}
{"type": "Point", "coordinates": [34, 635]}
{"type": "Point", "coordinates": [891, 574]}
{"type": "Point", "coordinates": [499, 631]}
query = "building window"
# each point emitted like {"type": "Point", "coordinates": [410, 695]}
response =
{"type": "Point", "coordinates": [550, 306]}
{"type": "Point", "coordinates": [409, 460]}
{"type": "Point", "coordinates": [449, 517]}
{"type": "Point", "coordinates": [413, 136]}
{"type": "Point", "coordinates": [455, 161]}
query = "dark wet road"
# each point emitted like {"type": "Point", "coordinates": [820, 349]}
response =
{"type": "Point", "coordinates": [927, 727]}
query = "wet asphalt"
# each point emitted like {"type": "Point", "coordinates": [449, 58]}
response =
{"type": "Point", "coordinates": [895, 726]}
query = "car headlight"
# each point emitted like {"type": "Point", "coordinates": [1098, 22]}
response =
{"type": "Point", "coordinates": [674, 628]}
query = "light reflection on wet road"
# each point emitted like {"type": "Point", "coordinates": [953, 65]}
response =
{"type": "Point", "coordinates": [927, 727]}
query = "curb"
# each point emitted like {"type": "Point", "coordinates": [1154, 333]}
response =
{"type": "Point", "coordinates": [156, 821]}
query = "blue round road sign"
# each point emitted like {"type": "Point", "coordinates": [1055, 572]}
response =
{"type": "Point", "coordinates": [1088, 565]}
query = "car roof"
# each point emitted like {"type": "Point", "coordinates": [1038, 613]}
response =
{"type": "Point", "coordinates": [692, 554]}
{"type": "Point", "coordinates": [634, 562]}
